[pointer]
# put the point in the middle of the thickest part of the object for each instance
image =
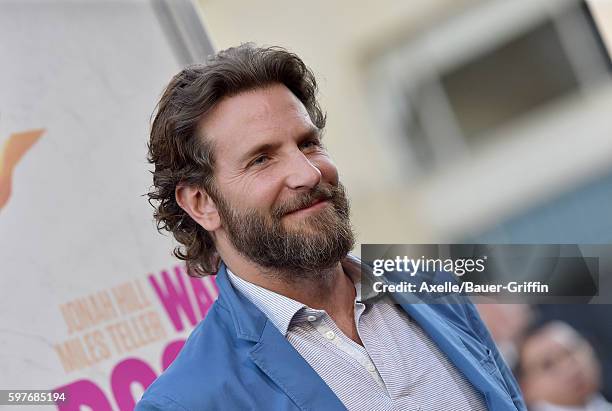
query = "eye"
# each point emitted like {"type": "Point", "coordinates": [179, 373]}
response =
{"type": "Point", "coordinates": [311, 143]}
{"type": "Point", "coordinates": [260, 160]}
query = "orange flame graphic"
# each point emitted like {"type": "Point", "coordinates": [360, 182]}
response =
{"type": "Point", "coordinates": [14, 149]}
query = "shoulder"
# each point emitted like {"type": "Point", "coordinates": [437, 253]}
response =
{"type": "Point", "coordinates": [204, 368]}
{"type": "Point", "coordinates": [450, 306]}
{"type": "Point", "coordinates": [462, 313]}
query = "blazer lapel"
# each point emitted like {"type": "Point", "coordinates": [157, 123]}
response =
{"type": "Point", "coordinates": [273, 354]}
{"type": "Point", "coordinates": [277, 358]}
{"type": "Point", "coordinates": [451, 344]}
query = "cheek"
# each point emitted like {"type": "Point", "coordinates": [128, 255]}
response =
{"type": "Point", "coordinates": [260, 192]}
{"type": "Point", "coordinates": [546, 388]}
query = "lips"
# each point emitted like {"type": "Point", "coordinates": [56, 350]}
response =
{"type": "Point", "coordinates": [313, 204]}
{"type": "Point", "coordinates": [309, 206]}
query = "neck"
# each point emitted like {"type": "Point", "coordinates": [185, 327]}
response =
{"type": "Point", "coordinates": [322, 289]}
{"type": "Point", "coordinates": [331, 290]}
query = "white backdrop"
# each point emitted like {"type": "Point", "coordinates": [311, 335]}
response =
{"type": "Point", "coordinates": [86, 75]}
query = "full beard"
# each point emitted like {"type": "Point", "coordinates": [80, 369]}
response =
{"type": "Point", "coordinates": [306, 250]}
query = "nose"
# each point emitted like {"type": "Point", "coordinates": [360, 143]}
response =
{"type": "Point", "coordinates": [302, 172]}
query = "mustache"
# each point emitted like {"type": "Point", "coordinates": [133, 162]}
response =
{"type": "Point", "coordinates": [318, 193]}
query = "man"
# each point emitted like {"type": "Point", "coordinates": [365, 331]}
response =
{"type": "Point", "coordinates": [244, 183]}
{"type": "Point", "coordinates": [558, 370]}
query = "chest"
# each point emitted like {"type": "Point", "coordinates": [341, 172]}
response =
{"type": "Point", "coordinates": [397, 366]}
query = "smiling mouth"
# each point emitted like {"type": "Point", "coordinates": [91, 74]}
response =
{"type": "Point", "coordinates": [314, 206]}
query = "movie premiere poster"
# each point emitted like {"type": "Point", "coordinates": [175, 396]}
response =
{"type": "Point", "coordinates": [92, 301]}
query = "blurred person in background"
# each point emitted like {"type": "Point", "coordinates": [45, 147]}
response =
{"type": "Point", "coordinates": [558, 370]}
{"type": "Point", "coordinates": [593, 322]}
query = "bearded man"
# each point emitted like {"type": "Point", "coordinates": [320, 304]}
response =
{"type": "Point", "coordinates": [243, 181]}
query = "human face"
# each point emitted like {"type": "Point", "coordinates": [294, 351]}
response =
{"type": "Point", "coordinates": [277, 190]}
{"type": "Point", "coordinates": [559, 367]}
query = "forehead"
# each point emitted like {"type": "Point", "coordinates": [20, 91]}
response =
{"type": "Point", "coordinates": [264, 115]}
{"type": "Point", "coordinates": [550, 341]}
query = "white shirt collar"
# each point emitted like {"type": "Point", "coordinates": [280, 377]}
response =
{"type": "Point", "coordinates": [281, 309]}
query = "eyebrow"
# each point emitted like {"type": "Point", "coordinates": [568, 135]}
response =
{"type": "Point", "coordinates": [267, 147]}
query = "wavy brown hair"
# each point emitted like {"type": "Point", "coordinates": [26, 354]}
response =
{"type": "Point", "coordinates": [182, 154]}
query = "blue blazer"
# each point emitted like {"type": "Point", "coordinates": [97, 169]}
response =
{"type": "Point", "coordinates": [236, 359]}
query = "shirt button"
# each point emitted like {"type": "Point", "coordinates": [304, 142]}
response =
{"type": "Point", "coordinates": [311, 318]}
{"type": "Point", "coordinates": [330, 335]}
{"type": "Point", "coordinates": [371, 367]}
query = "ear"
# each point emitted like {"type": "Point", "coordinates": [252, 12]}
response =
{"type": "Point", "coordinates": [199, 205]}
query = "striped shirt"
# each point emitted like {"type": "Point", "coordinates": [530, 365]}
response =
{"type": "Point", "coordinates": [398, 367]}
